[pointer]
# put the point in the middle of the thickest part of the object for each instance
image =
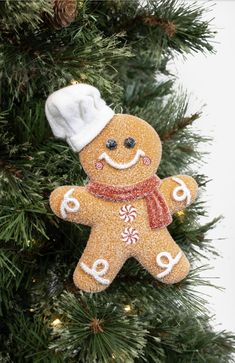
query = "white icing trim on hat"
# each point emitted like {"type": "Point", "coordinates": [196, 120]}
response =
{"type": "Point", "coordinates": [181, 188]}
{"type": "Point", "coordinates": [97, 274]}
{"type": "Point", "coordinates": [64, 207]}
{"type": "Point", "coordinates": [121, 166]}
{"type": "Point", "coordinates": [169, 265]}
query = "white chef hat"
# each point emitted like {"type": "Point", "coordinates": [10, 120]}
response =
{"type": "Point", "coordinates": [77, 114]}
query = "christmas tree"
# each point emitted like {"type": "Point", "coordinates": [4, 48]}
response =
{"type": "Point", "coordinates": [122, 48]}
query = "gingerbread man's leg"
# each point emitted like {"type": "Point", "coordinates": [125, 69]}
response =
{"type": "Point", "coordinates": [99, 264]}
{"type": "Point", "coordinates": [163, 258]}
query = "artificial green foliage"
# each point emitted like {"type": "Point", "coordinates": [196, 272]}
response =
{"type": "Point", "coordinates": [123, 48]}
{"type": "Point", "coordinates": [103, 331]}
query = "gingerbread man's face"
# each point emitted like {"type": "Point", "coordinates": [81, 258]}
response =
{"type": "Point", "coordinates": [127, 151]}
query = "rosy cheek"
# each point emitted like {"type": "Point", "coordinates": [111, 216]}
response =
{"type": "Point", "coordinates": [146, 160]}
{"type": "Point", "coordinates": [99, 165]}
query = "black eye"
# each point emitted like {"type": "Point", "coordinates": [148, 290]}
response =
{"type": "Point", "coordinates": [111, 144]}
{"type": "Point", "coordinates": [129, 142]}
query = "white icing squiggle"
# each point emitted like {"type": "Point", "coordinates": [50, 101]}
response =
{"type": "Point", "coordinates": [122, 166]}
{"type": "Point", "coordinates": [65, 207]}
{"type": "Point", "coordinates": [181, 188]}
{"type": "Point", "coordinates": [169, 265]}
{"type": "Point", "coordinates": [97, 274]}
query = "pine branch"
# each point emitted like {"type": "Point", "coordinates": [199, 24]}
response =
{"type": "Point", "coordinates": [172, 26]}
{"type": "Point", "coordinates": [10, 279]}
{"type": "Point", "coordinates": [123, 48]}
{"type": "Point", "coordinates": [30, 344]}
{"type": "Point", "coordinates": [152, 21]}
{"type": "Point", "coordinates": [186, 121]}
{"type": "Point", "coordinates": [168, 26]}
{"type": "Point", "coordinates": [20, 14]}
{"type": "Point", "coordinates": [117, 337]}
{"type": "Point", "coordinates": [9, 168]}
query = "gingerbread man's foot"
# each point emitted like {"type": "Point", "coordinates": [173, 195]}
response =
{"type": "Point", "coordinates": [98, 267]}
{"type": "Point", "coordinates": [173, 268]}
{"type": "Point", "coordinates": [92, 277]}
{"type": "Point", "coordinates": [163, 258]}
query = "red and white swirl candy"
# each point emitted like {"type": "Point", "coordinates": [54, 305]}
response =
{"type": "Point", "coordinates": [130, 235]}
{"type": "Point", "coordinates": [128, 213]}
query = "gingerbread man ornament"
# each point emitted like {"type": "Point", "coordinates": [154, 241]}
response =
{"type": "Point", "coordinates": [127, 206]}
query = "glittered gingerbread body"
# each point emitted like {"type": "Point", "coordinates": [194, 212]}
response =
{"type": "Point", "coordinates": [127, 207]}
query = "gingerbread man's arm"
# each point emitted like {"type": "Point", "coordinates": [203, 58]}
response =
{"type": "Point", "coordinates": [75, 204]}
{"type": "Point", "coordinates": [179, 191]}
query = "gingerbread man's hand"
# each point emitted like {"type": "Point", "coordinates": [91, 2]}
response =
{"type": "Point", "coordinates": [179, 191]}
{"type": "Point", "coordinates": [73, 203]}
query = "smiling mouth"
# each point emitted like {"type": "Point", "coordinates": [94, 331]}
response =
{"type": "Point", "coordinates": [122, 166]}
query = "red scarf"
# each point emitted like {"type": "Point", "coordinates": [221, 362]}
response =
{"type": "Point", "coordinates": [158, 211]}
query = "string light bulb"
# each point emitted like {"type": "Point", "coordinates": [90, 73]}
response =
{"type": "Point", "coordinates": [56, 323]}
{"type": "Point", "coordinates": [127, 308]}
{"type": "Point", "coordinates": [73, 81]}
{"type": "Point", "coordinates": [180, 215]}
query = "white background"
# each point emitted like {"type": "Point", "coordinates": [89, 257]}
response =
{"type": "Point", "coordinates": [211, 80]}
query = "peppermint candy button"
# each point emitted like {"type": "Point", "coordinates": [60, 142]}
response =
{"type": "Point", "coordinates": [130, 235]}
{"type": "Point", "coordinates": [128, 213]}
